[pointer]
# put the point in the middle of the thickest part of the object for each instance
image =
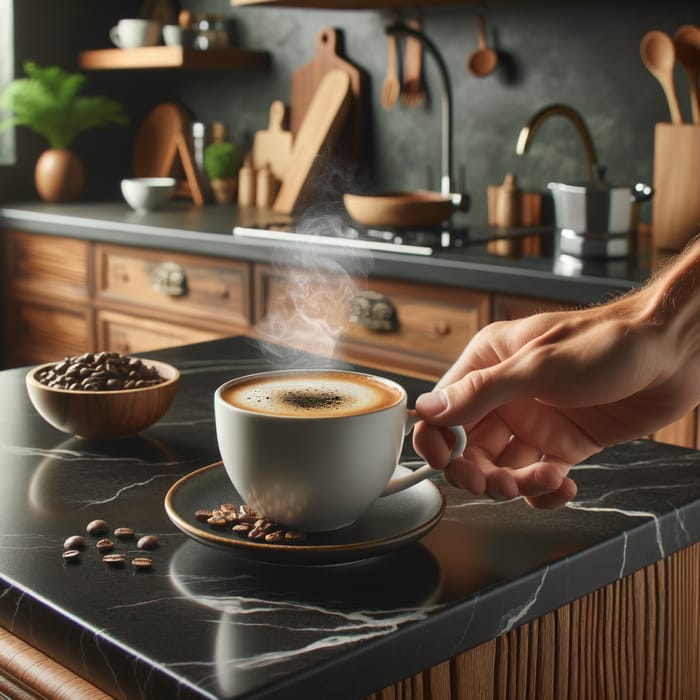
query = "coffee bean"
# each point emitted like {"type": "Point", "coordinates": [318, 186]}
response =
{"type": "Point", "coordinates": [105, 545]}
{"type": "Point", "coordinates": [74, 542]}
{"type": "Point", "coordinates": [124, 533]}
{"type": "Point", "coordinates": [114, 559]}
{"type": "Point", "coordinates": [250, 523]}
{"type": "Point", "coordinates": [292, 536]}
{"type": "Point", "coordinates": [97, 527]}
{"type": "Point", "coordinates": [147, 542]}
{"type": "Point", "coordinates": [101, 372]}
{"type": "Point", "coordinates": [142, 563]}
{"type": "Point", "coordinates": [71, 555]}
{"type": "Point", "coordinates": [256, 534]}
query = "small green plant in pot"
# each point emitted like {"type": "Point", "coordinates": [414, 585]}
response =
{"type": "Point", "coordinates": [222, 161]}
{"type": "Point", "coordinates": [48, 103]}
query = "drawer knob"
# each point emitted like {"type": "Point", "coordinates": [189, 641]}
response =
{"type": "Point", "coordinates": [170, 279]}
{"type": "Point", "coordinates": [442, 328]}
{"type": "Point", "coordinates": [374, 311]}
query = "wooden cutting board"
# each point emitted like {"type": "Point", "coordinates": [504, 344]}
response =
{"type": "Point", "coordinates": [306, 79]}
{"type": "Point", "coordinates": [273, 146]}
{"type": "Point", "coordinates": [152, 155]}
{"type": "Point", "coordinates": [162, 148]}
{"type": "Point", "coordinates": [323, 122]}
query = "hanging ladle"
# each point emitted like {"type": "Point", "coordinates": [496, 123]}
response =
{"type": "Point", "coordinates": [483, 60]}
{"type": "Point", "coordinates": [659, 56]}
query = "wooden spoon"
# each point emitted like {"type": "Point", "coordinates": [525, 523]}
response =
{"type": "Point", "coordinates": [483, 60]}
{"type": "Point", "coordinates": [687, 44]}
{"type": "Point", "coordinates": [659, 55]}
{"type": "Point", "coordinates": [392, 87]}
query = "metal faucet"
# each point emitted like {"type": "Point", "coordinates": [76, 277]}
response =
{"type": "Point", "coordinates": [527, 133]}
{"type": "Point", "coordinates": [458, 200]}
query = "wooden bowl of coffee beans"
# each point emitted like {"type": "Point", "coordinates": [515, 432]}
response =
{"type": "Point", "coordinates": [104, 395]}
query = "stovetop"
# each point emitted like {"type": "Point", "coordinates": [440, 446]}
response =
{"type": "Point", "coordinates": [410, 241]}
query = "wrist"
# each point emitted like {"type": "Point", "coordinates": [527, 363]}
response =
{"type": "Point", "coordinates": [671, 303]}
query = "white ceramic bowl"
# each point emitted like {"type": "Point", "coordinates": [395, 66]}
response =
{"type": "Point", "coordinates": [147, 193]}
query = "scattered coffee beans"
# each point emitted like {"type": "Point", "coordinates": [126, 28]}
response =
{"type": "Point", "coordinates": [102, 371]}
{"type": "Point", "coordinates": [124, 533]}
{"type": "Point", "coordinates": [97, 527]}
{"type": "Point", "coordinates": [71, 555]}
{"type": "Point", "coordinates": [246, 521]}
{"type": "Point", "coordinates": [105, 545]}
{"type": "Point", "coordinates": [114, 559]}
{"type": "Point", "coordinates": [74, 542]}
{"type": "Point", "coordinates": [147, 542]}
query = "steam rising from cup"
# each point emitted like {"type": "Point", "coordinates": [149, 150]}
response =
{"type": "Point", "coordinates": [309, 312]}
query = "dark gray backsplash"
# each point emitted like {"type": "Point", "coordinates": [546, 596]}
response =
{"type": "Point", "coordinates": [583, 54]}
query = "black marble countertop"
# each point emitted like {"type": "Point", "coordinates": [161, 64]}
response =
{"type": "Point", "coordinates": [210, 624]}
{"type": "Point", "coordinates": [207, 230]}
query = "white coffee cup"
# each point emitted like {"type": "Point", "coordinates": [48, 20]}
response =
{"type": "Point", "coordinates": [172, 35]}
{"type": "Point", "coordinates": [314, 449]}
{"type": "Point", "coordinates": [133, 33]}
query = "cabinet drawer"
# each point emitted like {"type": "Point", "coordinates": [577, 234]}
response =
{"type": "Point", "coordinates": [210, 291]}
{"type": "Point", "coordinates": [47, 266]}
{"type": "Point", "coordinates": [434, 322]}
{"type": "Point", "coordinates": [128, 334]}
{"type": "Point", "coordinates": [38, 333]}
{"type": "Point", "coordinates": [507, 307]}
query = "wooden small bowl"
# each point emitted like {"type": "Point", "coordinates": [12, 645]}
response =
{"type": "Point", "coordinates": [104, 415]}
{"type": "Point", "coordinates": [416, 209]}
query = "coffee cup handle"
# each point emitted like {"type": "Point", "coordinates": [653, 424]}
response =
{"type": "Point", "coordinates": [114, 36]}
{"type": "Point", "coordinates": [399, 483]}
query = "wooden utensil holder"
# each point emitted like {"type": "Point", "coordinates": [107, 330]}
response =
{"type": "Point", "coordinates": [676, 203]}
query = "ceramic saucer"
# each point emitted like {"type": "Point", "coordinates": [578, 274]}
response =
{"type": "Point", "coordinates": [392, 522]}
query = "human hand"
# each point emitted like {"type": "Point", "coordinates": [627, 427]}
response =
{"type": "Point", "coordinates": [540, 394]}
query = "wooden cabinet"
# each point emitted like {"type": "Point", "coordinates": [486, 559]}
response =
{"type": "Point", "coordinates": [427, 325]}
{"type": "Point", "coordinates": [46, 298]}
{"type": "Point", "coordinates": [128, 334]}
{"type": "Point", "coordinates": [65, 296]}
{"type": "Point", "coordinates": [150, 299]}
{"type": "Point", "coordinates": [198, 291]}
{"type": "Point", "coordinates": [507, 307]}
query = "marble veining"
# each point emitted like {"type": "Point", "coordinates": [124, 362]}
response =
{"type": "Point", "coordinates": [208, 624]}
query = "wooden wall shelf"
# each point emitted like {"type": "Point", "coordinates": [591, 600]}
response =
{"type": "Point", "coordinates": [170, 57]}
{"type": "Point", "coordinates": [351, 4]}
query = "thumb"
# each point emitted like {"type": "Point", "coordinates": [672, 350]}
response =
{"type": "Point", "coordinates": [470, 398]}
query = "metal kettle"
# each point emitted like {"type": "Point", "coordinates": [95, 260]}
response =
{"type": "Point", "coordinates": [597, 206]}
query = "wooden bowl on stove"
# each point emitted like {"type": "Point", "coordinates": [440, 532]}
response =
{"type": "Point", "coordinates": [412, 209]}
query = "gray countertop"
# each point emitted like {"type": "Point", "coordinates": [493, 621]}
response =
{"type": "Point", "coordinates": [208, 230]}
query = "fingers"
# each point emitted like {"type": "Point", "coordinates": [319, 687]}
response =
{"type": "Point", "coordinates": [469, 399]}
{"type": "Point", "coordinates": [555, 499]}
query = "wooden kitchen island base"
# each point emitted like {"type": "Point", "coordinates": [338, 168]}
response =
{"type": "Point", "coordinates": [636, 638]}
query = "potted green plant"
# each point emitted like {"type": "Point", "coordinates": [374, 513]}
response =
{"type": "Point", "coordinates": [222, 161]}
{"type": "Point", "coordinates": [48, 103]}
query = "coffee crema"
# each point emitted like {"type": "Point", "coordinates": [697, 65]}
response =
{"type": "Point", "coordinates": [313, 394]}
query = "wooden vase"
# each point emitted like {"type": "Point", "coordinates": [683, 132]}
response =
{"type": "Point", "coordinates": [59, 175]}
{"type": "Point", "coordinates": [224, 191]}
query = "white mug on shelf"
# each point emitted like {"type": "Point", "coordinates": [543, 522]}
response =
{"type": "Point", "coordinates": [134, 33]}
